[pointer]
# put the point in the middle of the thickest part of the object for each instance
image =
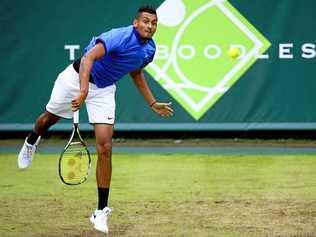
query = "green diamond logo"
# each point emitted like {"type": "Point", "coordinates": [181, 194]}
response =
{"type": "Point", "coordinates": [191, 61]}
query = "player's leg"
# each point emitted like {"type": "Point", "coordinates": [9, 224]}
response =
{"type": "Point", "coordinates": [65, 88]}
{"type": "Point", "coordinates": [103, 134]}
{"type": "Point", "coordinates": [101, 110]}
{"type": "Point", "coordinates": [43, 122]}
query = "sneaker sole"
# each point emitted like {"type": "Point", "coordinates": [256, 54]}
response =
{"type": "Point", "coordinates": [101, 229]}
{"type": "Point", "coordinates": [92, 219]}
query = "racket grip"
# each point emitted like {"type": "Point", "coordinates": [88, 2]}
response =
{"type": "Point", "coordinates": [76, 117]}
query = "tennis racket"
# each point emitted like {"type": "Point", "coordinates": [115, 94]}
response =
{"type": "Point", "coordinates": [74, 161]}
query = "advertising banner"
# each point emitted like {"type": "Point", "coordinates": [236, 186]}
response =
{"type": "Point", "coordinates": [226, 65]}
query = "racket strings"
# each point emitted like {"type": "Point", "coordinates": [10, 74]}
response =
{"type": "Point", "coordinates": [75, 164]}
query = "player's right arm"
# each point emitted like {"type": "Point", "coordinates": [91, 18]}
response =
{"type": "Point", "coordinates": [95, 53]}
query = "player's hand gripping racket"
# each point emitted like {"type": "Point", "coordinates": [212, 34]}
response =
{"type": "Point", "coordinates": [75, 161]}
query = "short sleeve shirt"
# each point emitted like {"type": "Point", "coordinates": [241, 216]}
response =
{"type": "Point", "coordinates": [125, 52]}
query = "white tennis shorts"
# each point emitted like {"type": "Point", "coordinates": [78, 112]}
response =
{"type": "Point", "coordinates": [100, 102]}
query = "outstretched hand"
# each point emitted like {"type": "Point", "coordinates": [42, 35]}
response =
{"type": "Point", "coordinates": [163, 109]}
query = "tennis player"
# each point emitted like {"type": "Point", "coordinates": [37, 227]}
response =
{"type": "Point", "coordinates": [91, 79]}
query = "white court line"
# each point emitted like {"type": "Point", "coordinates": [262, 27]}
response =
{"type": "Point", "coordinates": [171, 84]}
{"type": "Point", "coordinates": [227, 78]}
{"type": "Point", "coordinates": [186, 86]}
{"type": "Point", "coordinates": [253, 52]}
{"type": "Point", "coordinates": [239, 24]}
{"type": "Point", "coordinates": [162, 72]}
{"type": "Point", "coordinates": [172, 59]}
{"type": "Point", "coordinates": [220, 87]}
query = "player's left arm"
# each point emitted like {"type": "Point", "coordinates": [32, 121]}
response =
{"type": "Point", "coordinates": [163, 109]}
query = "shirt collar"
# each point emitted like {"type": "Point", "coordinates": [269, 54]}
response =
{"type": "Point", "coordinates": [138, 36]}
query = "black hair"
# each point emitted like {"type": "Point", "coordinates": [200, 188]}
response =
{"type": "Point", "coordinates": [148, 9]}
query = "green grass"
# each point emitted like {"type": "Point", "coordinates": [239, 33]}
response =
{"type": "Point", "coordinates": [166, 195]}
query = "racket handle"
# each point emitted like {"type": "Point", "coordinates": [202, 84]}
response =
{"type": "Point", "coordinates": [76, 117]}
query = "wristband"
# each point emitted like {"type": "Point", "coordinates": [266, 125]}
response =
{"type": "Point", "coordinates": [151, 105]}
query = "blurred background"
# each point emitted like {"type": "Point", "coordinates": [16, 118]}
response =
{"type": "Point", "coordinates": [274, 95]}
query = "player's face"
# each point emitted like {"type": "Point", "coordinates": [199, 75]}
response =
{"type": "Point", "coordinates": [146, 25]}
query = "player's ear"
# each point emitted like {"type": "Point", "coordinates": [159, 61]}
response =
{"type": "Point", "coordinates": [135, 22]}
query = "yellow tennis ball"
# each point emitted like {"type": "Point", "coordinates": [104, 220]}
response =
{"type": "Point", "coordinates": [71, 175]}
{"type": "Point", "coordinates": [234, 53]}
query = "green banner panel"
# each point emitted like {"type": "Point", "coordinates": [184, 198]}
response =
{"type": "Point", "coordinates": [224, 64]}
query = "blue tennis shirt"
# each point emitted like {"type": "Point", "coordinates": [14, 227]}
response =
{"type": "Point", "coordinates": [124, 53]}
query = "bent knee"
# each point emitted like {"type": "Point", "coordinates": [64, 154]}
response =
{"type": "Point", "coordinates": [105, 149]}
